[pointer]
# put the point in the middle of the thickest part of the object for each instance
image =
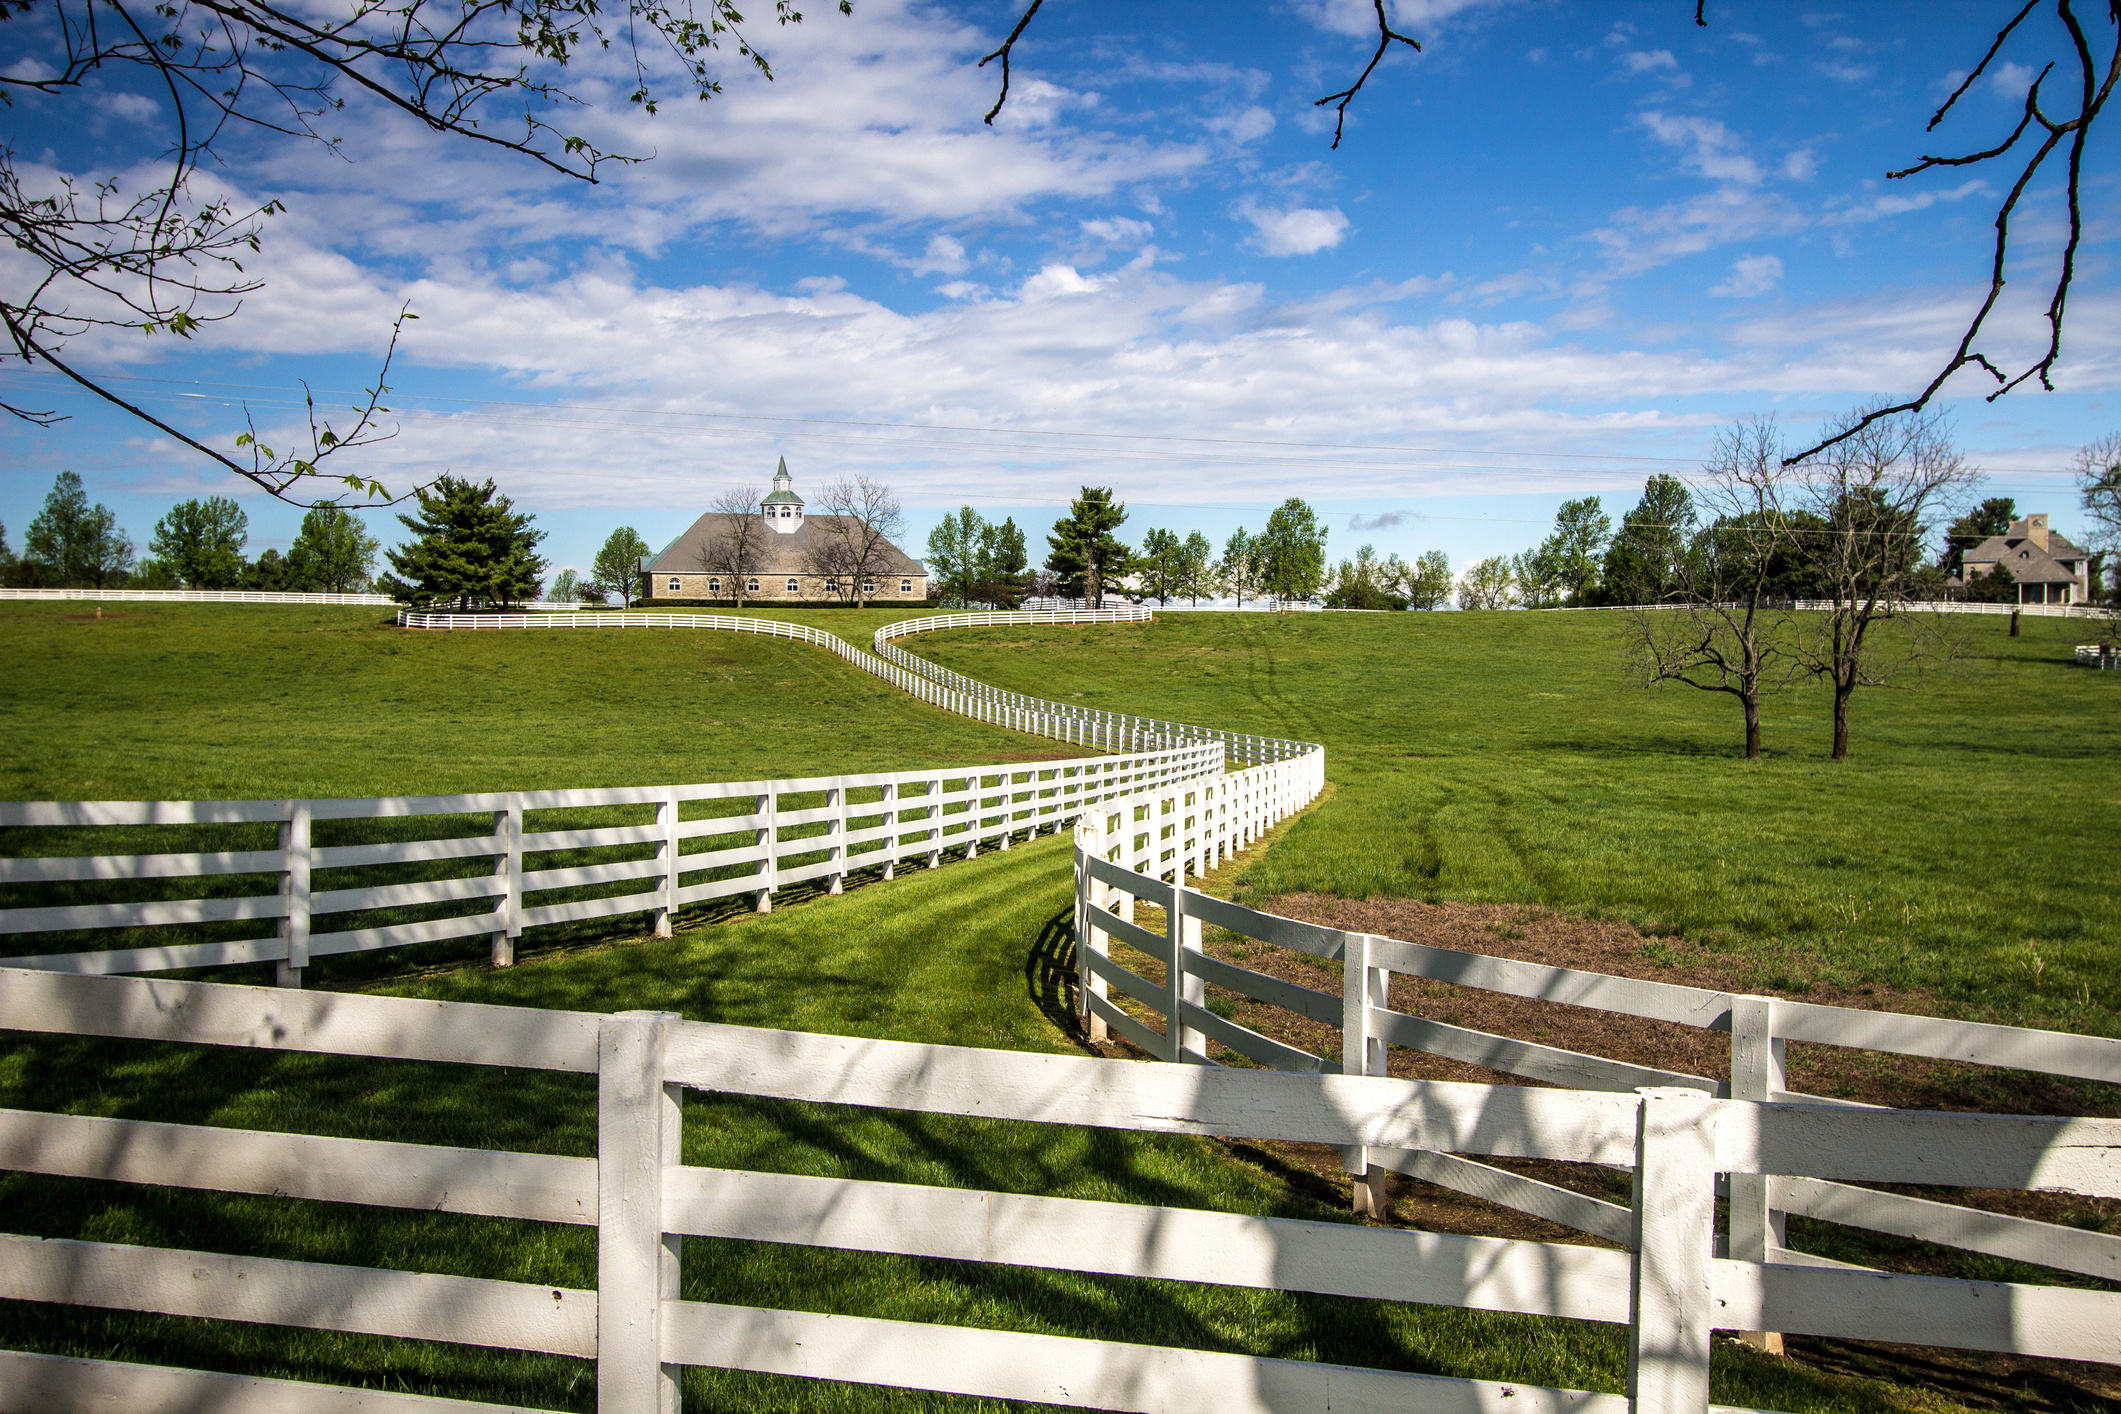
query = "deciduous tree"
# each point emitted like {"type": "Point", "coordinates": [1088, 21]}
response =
{"type": "Point", "coordinates": [469, 543]}
{"type": "Point", "coordinates": [333, 551]}
{"type": "Point", "coordinates": [1292, 553]}
{"type": "Point", "coordinates": [1715, 627]}
{"type": "Point", "coordinates": [734, 549]}
{"type": "Point", "coordinates": [1239, 569]}
{"type": "Point", "coordinates": [1488, 585]}
{"type": "Point", "coordinates": [202, 542]}
{"type": "Point", "coordinates": [1160, 568]}
{"type": "Point", "coordinates": [1873, 492]}
{"type": "Point", "coordinates": [617, 566]}
{"type": "Point", "coordinates": [1427, 584]}
{"type": "Point", "coordinates": [1646, 561]}
{"type": "Point", "coordinates": [856, 544]}
{"type": "Point", "coordinates": [954, 555]}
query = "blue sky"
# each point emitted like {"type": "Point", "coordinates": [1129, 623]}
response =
{"type": "Point", "coordinates": [1556, 251]}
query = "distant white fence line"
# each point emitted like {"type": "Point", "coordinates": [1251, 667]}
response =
{"type": "Point", "coordinates": [1668, 1287]}
{"type": "Point", "coordinates": [200, 596]}
{"type": "Point", "coordinates": [2098, 655]}
{"type": "Point", "coordinates": [1117, 864]}
{"type": "Point", "coordinates": [496, 874]}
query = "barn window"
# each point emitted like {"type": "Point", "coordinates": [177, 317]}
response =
{"type": "Point", "coordinates": [751, 586]}
{"type": "Point", "coordinates": [792, 588]}
{"type": "Point", "coordinates": [674, 585]}
{"type": "Point", "coordinates": [905, 586]}
{"type": "Point", "coordinates": [714, 586]}
{"type": "Point", "coordinates": [868, 586]}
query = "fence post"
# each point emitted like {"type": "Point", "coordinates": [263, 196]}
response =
{"type": "Point", "coordinates": [935, 823]}
{"type": "Point", "coordinates": [1757, 1073]}
{"type": "Point", "coordinates": [667, 816]}
{"type": "Point", "coordinates": [1091, 937]}
{"type": "Point", "coordinates": [294, 894]}
{"type": "Point", "coordinates": [640, 1121]}
{"type": "Point", "coordinates": [1362, 1052]}
{"type": "Point", "coordinates": [890, 804]}
{"type": "Point", "coordinates": [508, 868]}
{"type": "Point", "coordinates": [1182, 930]}
{"type": "Point", "coordinates": [769, 866]}
{"type": "Point", "coordinates": [838, 792]}
{"type": "Point", "coordinates": [1671, 1301]}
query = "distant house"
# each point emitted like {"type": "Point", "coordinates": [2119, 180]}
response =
{"type": "Point", "coordinates": [789, 561]}
{"type": "Point", "coordinates": [2047, 567]}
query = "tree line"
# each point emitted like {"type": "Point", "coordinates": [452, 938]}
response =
{"type": "Point", "coordinates": [199, 544]}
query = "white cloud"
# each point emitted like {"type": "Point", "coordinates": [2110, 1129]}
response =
{"type": "Point", "coordinates": [2011, 81]}
{"type": "Point", "coordinates": [1713, 148]}
{"type": "Point", "coordinates": [1750, 277]}
{"type": "Point", "coordinates": [1118, 230]}
{"type": "Point", "coordinates": [1650, 61]}
{"type": "Point", "coordinates": [945, 256]}
{"type": "Point", "coordinates": [1846, 73]}
{"type": "Point", "coordinates": [132, 107]}
{"type": "Point", "coordinates": [1299, 230]}
{"type": "Point", "coordinates": [1243, 125]}
{"type": "Point", "coordinates": [1893, 204]}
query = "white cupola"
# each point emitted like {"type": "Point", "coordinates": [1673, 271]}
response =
{"type": "Point", "coordinates": [782, 508]}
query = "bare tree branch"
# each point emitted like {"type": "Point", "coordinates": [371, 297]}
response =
{"type": "Point", "coordinates": [1003, 53]}
{"type": "Point", "coordinates": [1385, 35]}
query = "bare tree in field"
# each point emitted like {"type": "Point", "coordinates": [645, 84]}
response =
{"type": "Point", "coordinates": [734, 552]}
{"type": "Point", "coordinates": [1861, 513]}
{"type": "Point", "coordinates": [1718, 630]}
{"type": "Point", "coordinates": [855, 547]}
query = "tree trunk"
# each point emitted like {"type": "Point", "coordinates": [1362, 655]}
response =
{"type": "Point", "coordinates": [1842, 692]}
{"type": "Point", "coordinates": [1751, 698]}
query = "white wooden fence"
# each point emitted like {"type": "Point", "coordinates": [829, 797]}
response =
{"type": "Point", "coordinates": [1115, 866]}
{"type": "Point", "coordinates": [1669, 1288]}
{"type": "Point", "coordinates": [498, 873]}
{"type": "Point", "coordinates": [199, 596]}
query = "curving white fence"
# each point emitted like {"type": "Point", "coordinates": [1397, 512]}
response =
{"type": "Point", "coordinates": [1115, 869]}
{"type": "Point", "coordinates": [493, 865]}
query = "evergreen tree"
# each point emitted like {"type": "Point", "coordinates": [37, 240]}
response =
{"type": "Point", "coordinates": [1010, 567]}
{"type": "Point", "coordinates": [271, 574]}
{"type": "Point", "coordinates": [1992, 517]}
{"type": "Point", "coordinates": [1085, 555]}
{"type": "Point", "coordinates": [617, 567]}
{"type": "Point", "coordinates": [202, 542]}
{"type": "Point", "coordinates": [1292, 553]}
{"type": "Point", "coordinates": [333, 551]}
{"type": "Point", "coordinates": [73, 544]}
{"type": "Point", "coordinates": [468, 543]}
{"type": "Point", "coordinates": [1645, 562]}
{"type": "Point", "coordinates": [7, 558]}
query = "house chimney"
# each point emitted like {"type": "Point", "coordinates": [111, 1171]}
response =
{"type": "Point", "coordinates": [2033, 528]}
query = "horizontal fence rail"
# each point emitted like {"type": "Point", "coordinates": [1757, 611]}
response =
{"type": "Point", "coordinates": [495, 865]}
{"type": "Point", "coordinates": [1666, 1284]}
{"type": "Point", "coordinates": [1116, 868]}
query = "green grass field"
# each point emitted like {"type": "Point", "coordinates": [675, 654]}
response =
{"type": "Point", "coordinates": [1968, 847]}
{"type": "Point", "coordinates": [200, 701]}
{"type": "Point", "coordinates": [1476, 756]}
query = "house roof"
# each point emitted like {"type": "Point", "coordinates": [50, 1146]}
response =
{"type": "Point", "coordinates": [778, 552]}
{"type": "Point", "coordinates": [2027, 562]}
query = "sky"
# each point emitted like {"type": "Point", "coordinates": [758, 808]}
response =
{"type": "Point", "coordinates": [1555, 253]}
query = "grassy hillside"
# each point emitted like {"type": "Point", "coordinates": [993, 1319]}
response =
{"type": "Point", "coordinates": [1967, 847]}
{"type": "Point", "coordinates": [202, 701]}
